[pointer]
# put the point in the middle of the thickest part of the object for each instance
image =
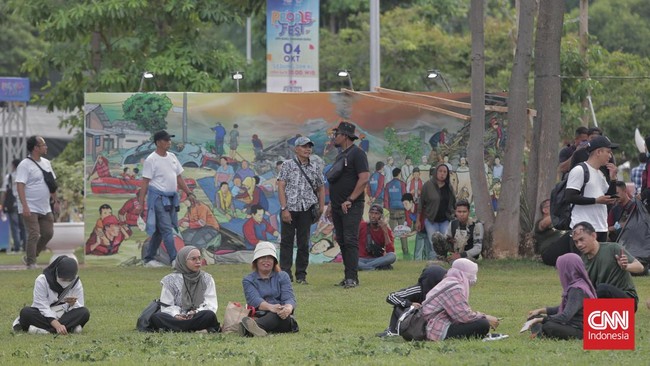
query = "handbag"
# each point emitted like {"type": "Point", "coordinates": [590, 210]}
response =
{"type": "Point", "coordinates": [412, 324]}
{"type": "Point", "coordinates": [144, 321]}
{"type": "Point", "coordinates": [314, 209]}
{"type": "Point", "coordinates": [48, 177]}
{"type": "Point", "coordinates": [336, 170]}
{"type": "Point", "coordinates": [235, 312]}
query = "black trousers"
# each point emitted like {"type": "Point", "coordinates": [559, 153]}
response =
{"type": "Point", "coordinates": [272, 323]}
{"type": "Point", "coordinates": [394, 318]}
{"type": "Point", "coordinates": [605, 291]}
{"type": "Point", "coordinates": [299, 227]}
{"type": "Point", "coordinates": [32, 316]}
{"type": "Point", "coordinates": [346, 227]}
{"type": "Point", "coordinates": [476, 329]}
{"type": "Point", "coordinates": [205, 319]}
{"type": "Point", "coordinates": [560, 331]}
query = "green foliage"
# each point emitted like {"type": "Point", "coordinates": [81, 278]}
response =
{"type": "Point", "coordinates": [411, 147]}
{"type": "Point", "coordinates": [147, 110]}
{"type": "Point", "coordinates": [69, 176]}
{"type": "Point", "coordinates": [621, 25]}
{"type": "Point", "coordinates": [17, 41]}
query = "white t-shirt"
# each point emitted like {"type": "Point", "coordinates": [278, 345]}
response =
{"type": "Point", "coordinates": [37, 194]}
{"type": "Point", "coordinates": [595, 214]}
{"type": "Point", "coordinates": [162, 171]}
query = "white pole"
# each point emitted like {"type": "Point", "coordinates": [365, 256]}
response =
{"type": "Point", "coordinates": [374, 45]}
{"type": "Point", "coordinates": [249, 47]}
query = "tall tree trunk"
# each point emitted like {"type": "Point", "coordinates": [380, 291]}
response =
{"type": "Point", "coordinates": [506, 230]}
{"type": "Point", "coordinates": [475, 155]}
{"type": "Point", "coordinates": [542, 163]}
{"type": "Point", "coordinates": [584, 46]}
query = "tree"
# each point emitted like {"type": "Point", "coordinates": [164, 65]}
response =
{"type": "Point", "coordinates": [506, 228]}
{"type": "Point", "coordinates": [547, 91]}
{"type": "Point", "coordinates": [148, 111]}
{"type": "Point", "coordinates": [475, 155]}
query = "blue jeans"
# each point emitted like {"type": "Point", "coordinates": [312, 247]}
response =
{"type": "Point", "coordinates": [346, 229]}
{"type": "Point", "coordinates": [164, 232]}
{"type": "Point", "coordinates": [423, 247]}
{"type": "Point", "coordinates": [17, 230]}
{"type": "Point", "coordinates": [435, 227]}
{"type": "Point", "coordinates": [370, 264]}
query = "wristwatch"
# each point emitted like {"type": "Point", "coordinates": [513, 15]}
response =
{"type": "Point", "coordinates": [283, 208]}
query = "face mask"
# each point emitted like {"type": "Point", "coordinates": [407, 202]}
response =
{"type": "Point", "coordinates": [63, 283]}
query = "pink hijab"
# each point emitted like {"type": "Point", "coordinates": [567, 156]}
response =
{"type": "Point", "coordinates": [464, 271]}
{"type": "Point", "coordinates": [573, 275]}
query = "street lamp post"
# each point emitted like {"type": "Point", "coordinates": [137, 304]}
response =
{"type": "Point", "coordinates": [145, 75]}
{"type": "Point", "coordinates": [346, 73]}
{"type": "Point", "coordinates": [434, 74]}
{"type": "Point", "coordinates": [237, 76]}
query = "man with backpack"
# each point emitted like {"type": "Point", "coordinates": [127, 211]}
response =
{"type": "Point", "coordinates": [589, 191]}
{"type": "Point", "coordinates": [9, 205]}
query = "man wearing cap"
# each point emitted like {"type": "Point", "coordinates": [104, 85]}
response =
{"type": "Point", "coordinates": [300, 186]}
{"type": "Point", "coordinates": [590, 199]}
{"type": "Point", "coordinates": [376, 242]}
{"type": "Point", "coordinates": [348, 177]}
{"type": "Point", "coordinates": [161, 178]}
{"type": "Point", "coordinates": [112, 235]}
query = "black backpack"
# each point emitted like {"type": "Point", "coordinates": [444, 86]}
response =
{"type": "Point", "coordinates": [9, 204]}
{"type": "Point", "coordinates": [560, 209]}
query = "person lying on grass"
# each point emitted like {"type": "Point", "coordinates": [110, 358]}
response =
{"type": "Point", "coordinates": [447, 311]}
{"type": "Point", "coordinates": [565, 321]}
{"type": "Point", "coordinates": [188, 298]}
{"type": "Point", "coordinates": [58, 305]}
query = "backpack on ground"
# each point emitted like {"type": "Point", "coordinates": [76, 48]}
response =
{"type": "Point", "coordinates": [560, 208]}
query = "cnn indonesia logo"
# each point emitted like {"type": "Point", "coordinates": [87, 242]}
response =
{"type": "Point", "coordinates": [608, 324]}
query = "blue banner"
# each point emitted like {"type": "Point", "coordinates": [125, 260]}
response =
{"type": "Point", "coordinates": [14, 89]}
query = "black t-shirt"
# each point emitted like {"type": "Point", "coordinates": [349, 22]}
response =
{"type": "Point", "coordinates": [357, 162]}
{"type": "Point", "coordinates": [441, 215]}
{"type": "Point", "coordinates": [566, 152]}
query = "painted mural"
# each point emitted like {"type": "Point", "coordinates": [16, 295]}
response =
{"type": "Point", "coordinates": [230, 146]}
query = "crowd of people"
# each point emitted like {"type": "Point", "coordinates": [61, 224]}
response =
{"type": "Point", "coordinates": [589, 261]}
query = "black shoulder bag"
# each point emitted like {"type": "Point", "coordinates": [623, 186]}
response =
{"type": "Point", "coordinates": [9, 204]}
{"type": "Point", "coordinates": [412, 324]}
{"type": "Point", "coordinates": [48, 177]}
{"type": "Point", "coordinates": [314, 209]}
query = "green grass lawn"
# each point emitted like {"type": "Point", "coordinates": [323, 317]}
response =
{"type": "Point", "coordinates": [337, 326]}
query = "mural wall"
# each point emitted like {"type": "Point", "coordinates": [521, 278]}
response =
{"type": "Point", "coordinates": [230, 145]}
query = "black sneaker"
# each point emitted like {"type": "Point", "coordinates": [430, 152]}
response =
{"type": "Point", "coordinates": [350, 283]}
{"type": "Point", "coordinates": [386, 333]}
{"type": "Point", "coordinates": [342, 283]}
{"type": "Point", "coordinates": [302, 281]}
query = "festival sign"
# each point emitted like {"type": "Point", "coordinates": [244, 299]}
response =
{"type": "Point", "coordinates": [292, 45]}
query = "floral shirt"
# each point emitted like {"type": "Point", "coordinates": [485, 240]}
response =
{"type": "Point", "coordinates": [300, 196]}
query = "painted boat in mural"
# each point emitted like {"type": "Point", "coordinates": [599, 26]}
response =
{"type": "Point", "coordinates": [116, 185]}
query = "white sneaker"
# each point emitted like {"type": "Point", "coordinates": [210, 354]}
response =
{"type": "Point", "coordinates": [34, 330]}
{"type": "Point", "coordinates": [77, 329]}
{"type": "Point", "coordinates": [173, 263]}
{"type": "Point", "coordinates": [154, 264]}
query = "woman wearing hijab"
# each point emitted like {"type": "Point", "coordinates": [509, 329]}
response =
{"type": "Point", "coordinates": [447, 309]}
{"type": "Point", "coordinates": [403, 299]}
{"type": "Point", "coordinates": [268, 290]}
{"type": "Point", "coordinates": [188, 298]}
{"type": "Point", "coordinates": [58, 305]}
{"type": "Point", "coordinates": [565, 321]}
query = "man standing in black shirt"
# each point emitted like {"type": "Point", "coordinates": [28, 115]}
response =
{"type": "Point", "coordinates": [348, 178]}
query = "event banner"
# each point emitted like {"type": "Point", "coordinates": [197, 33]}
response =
{"type": "Point", "coordinates": [292, 45]}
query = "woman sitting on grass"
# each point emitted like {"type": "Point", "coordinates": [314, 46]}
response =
{"type": "Point", "coordinates": [269, 291]}
{"type": "Point", "coordinates": [403, 299]}
{"type": "Point", "coordinates": [188, 298]}
{"type": "Point", "coordinates": [58, 305]}
{"type": "Point", "coordinates": [565, 321]}
{"type": "Point", "coordinates": [447, 311]}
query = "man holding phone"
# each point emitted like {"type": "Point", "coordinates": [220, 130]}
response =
{"type": "Point", "coordinates": [590, 198]}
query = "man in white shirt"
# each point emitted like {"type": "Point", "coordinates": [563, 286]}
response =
{"type": "Point", "coordinates": [590, 199]}
{"type": "Point", "coordinates": [161, 178]}
{"type": "Point", "coordinates": [36, 199]}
